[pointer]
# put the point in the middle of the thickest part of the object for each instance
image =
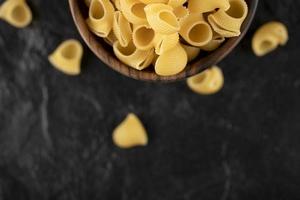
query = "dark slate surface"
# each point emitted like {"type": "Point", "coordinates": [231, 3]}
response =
{"type": "Point", "coordinates": [55, 130]}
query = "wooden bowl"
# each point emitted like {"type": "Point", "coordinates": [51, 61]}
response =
{"type": "Point", "coordinates": [105, 53]}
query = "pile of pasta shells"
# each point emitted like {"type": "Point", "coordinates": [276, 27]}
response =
{"type": "Point", "coordinates": [165, 33]}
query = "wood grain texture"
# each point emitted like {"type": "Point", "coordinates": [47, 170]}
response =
{"type": "Point", "coordinates": [104, 52]}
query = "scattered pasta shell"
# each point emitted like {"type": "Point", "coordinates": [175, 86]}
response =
{"type": "Point", "coordinates": [208, 82]}
{"type": "Point", "coordinates": [162, 18]}
{"type": "Point", "coordinates": [143, 37]}
{"type": "Point", "coordinates": [195, 30]}
{"type": "Point", "coordinates": [100, 20]}
{"type": "Point", "coordinates": [268, 37]}
{"type": "Point", "coordinates": [16, 12]}
{"type": "Point", "coordinates": [164, 43]}
{"type": "Point", "coordinates": [214, 43]}
{"type": "Point", "coordinates": [133, 57]}
{"type": "Point", "coordinates": [171, 62]}
{"type": "Point", "coordinates": [192, 52]}
{"type": "Point", "coordinates": [122, 29]}
{"type": "Point", "coordinates": [130, 133]}
{"type": "Point", "coordinates": [134, 11]}
{"type": "Point", "coordinates": [203, 6]}
{"type": "Point", "coordinates": [67, 57]}
{"type": "Point", "coordinates": [232, 18]}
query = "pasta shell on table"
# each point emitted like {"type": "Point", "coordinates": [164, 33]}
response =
{"type": "Point", "coordinates": [192, 52]}
{"type": "Point", "coordinates": [133, 57]}
{"type": "Point", "coordinates": [130, 133]}
{"type": "Point", "coordinates": [153, 1]}
{"type": "Point", "coordinates": [164, 43]}
{"type": "Point", "coordinates": [233, 18]}
{"type": "Point", "coordinates": [100, 20]}
{"type": "Point", "coordinates": [268, 37]}
{"type": "Point", "coordinates": [143, 37]}
{"type": "Point", "coordinates": [67, 57]}
{"type": "Point", "coordinates": [208, 82]}
{"type": "Point", "coordinates": [133, 10]}
{"type": "Point", "coordinates": [161, 18]}
{"type": "Point", "coordinates": [122, 29]}
{"type": "Point", "coordinates": [16, 12]}
{"type": "Point", "coordinates": [203, 6]}
{"type": "Point", "coordinates": [220, 30]}
{"type": "Point", "coordinates": [215, 43]}
{"type": "Point", "coordinates": [195, 31]}
{"type": "Point", "coordinates": [171, 62]}
{"type": "Point", "coordinates": [176, 3]}
{"type": "Point", "coordinates": [181, 12]}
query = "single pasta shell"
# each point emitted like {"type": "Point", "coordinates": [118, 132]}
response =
{"type": "Point", "coordinates": [264, 43]}
{"type": "Point", "coordinates": [130, 133]}
{"type": "Point", "coordinates": [208, 82]}
{"type": "Point", "coordinates": [171, 62]}
{"type": "Point", "coordinates": [162, 19]}
{"type": "Point", "coordinates": [16, 12]}
{"type": "Point", "coordinates": [67, 57]}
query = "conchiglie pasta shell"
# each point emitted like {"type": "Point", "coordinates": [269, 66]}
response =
{"type": "Point", "coordinates": [171, 62]}
{"type": "Point", "coordinates": [122, 29]}
{"type": "Point", "coordinates": [195, 30]}
{"type": "Point", "coordinates": [203, 6]}
{"type": "Point", "coordinates": [220, 30]}
{"type": "Point", "coordinates": [133, 57]}
{"type": "Point", "coordinates": [164, 43]}
{"type": "Point", "coordinates": [67, 57]}
{"type": "Point", "coordinates": [161, 18]}
{"type": "Point", "coordinates": [133, 10]}
{"type": "Point", "coordinates": [143, 37]}
{"type": "Point", "coordinates": [16, 12]}
{"type": "Point", "coordinates": [233, 18]}
{"type": "Point", "coordinates": [192, 52]}
{"type": "Point", "coordinates": [208, 82]}
{"type": "Point", "coordinates": [100, 20]}
{"type": "Point", "coordinates": [265, 40]}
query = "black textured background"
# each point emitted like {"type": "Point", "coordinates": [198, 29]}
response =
{"type": "Point", "coordinates": [55, 131]}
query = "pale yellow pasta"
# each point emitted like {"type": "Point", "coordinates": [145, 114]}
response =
{"type": "Point", "coordinates": [130, 133]}
{"type": "Point", "coordinates": [122, 29]}
{"type": "Point", "coordinates": [171, 62]}
{"type": "Point", "coordinates": [67, 57]}
{"type": "Point", "coordinates": [143, 37]}
{"type": "Point", "coordinates": [215, 43]}
{"type": "Point", "coordinates": [268, 37]}
{"type": "Point", "coordinates": [195, 30]}
{"type": "Point", "coordinates": [192, 52]}
{"type": "Point", "coordinates": [181, 12]}
{"type": "Point", "coordinates": [100, 20]}
{"type": "Point", "coordinates": [87, 2]}
{"type": "Point", "coordinates": [176, 3]}
{"type": "Point", "coordinates": [153, 1]}
{"type": "Point", "coordinates": [220, 30]}
{"type": "Point", "coordinates": [133, 10]}
{"type": "Point", "coordinates": [164, 43]}
{"type": "Point", "coordinates": [203, 6]}
{"type": "Point", "coordinates": [208, 82]}
{"type": "Point", "coordinates": [133, 57]}
{"type": "Point", "coordinates": [162, 18]}
{"type": "Point", "coordinates": [16, 12]}
{"type": "Point", "coordinates": [233, 18]}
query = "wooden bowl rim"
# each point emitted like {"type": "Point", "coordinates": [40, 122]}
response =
{"type": "Point", "coordinates": [193, 68]}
